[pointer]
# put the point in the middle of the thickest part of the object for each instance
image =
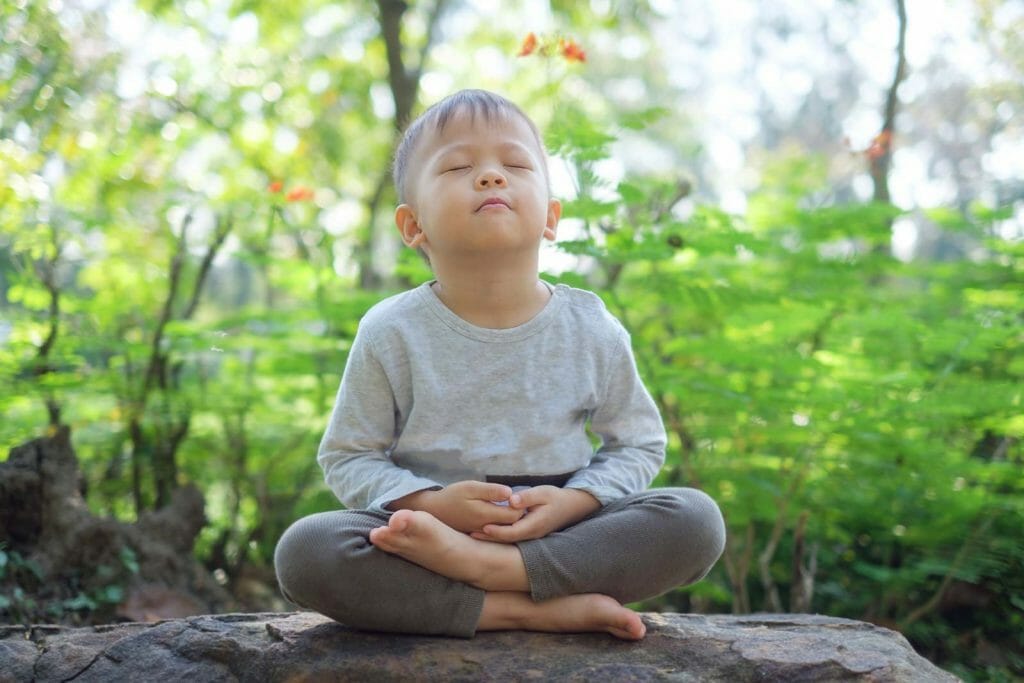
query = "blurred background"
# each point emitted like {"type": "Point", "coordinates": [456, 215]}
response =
{"type": "Point", "coordinates": [810, 216]}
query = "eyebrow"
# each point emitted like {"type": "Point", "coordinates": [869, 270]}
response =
{"type": "Point", "coordinates": [463, 146]}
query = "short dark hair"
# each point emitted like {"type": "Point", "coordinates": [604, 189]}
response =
{"type": "Point", "coordinates": [488, 104]}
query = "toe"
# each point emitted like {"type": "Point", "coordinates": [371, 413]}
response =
{"type": "Point", "coordinates": [378, 535]}
{"type": "Point", "coordinates": [640, 630]}
{"type": "Point", "coordinates": [630, 627]}
{"type": "Point", "coordinates": [399, 521]}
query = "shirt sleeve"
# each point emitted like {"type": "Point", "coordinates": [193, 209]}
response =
{"type": "Point", "coordinates": [355, 449]}
{"type": "Point", "coordinates": [632, 434]}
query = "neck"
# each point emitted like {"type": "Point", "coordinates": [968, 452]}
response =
{"type": "Point", "coordinates": [492, 295]}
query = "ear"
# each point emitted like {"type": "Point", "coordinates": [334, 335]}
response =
{"type": "Point", "coordinates": [554, 213]}
{"type": "Point", "coordinates": [408, 227]}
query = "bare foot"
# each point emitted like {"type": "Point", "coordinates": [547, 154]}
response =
{"type": "Point", "coordinates": [425, 540]}
{"type": "Point", "coordinates": [589, 612]}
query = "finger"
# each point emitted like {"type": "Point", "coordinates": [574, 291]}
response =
{"type": "Point", "coordinates": [481, 536]}
{"type": "Point", "coordinates": [495, 493]}
{"type": "Point", "coordinates": [489, 533]}
{"type": "Point", "coordinates": [530, 497]}
{"type": "Point", "coordinates": [522, 530]}
{"type": "Point", "coordinates": [498, 514]}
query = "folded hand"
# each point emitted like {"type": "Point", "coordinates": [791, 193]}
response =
{"type": "Point", "coordinates": [550, 509]}
{"type": "Point", "coordinates": [465, 506]}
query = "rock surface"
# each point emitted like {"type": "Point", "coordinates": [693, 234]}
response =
{"type": "Point", "coordinates": [303, 646]}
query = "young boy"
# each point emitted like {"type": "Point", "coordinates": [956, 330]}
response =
{"type": "Point", "coordinates": [459, 438]}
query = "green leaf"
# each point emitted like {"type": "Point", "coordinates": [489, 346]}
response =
{"type": "Point", "coordinates": [642, 119]}
{"type": "Point", "coordinates": [111, 595]}
{"type": "Point", "coordinates": [129, 559]}
{"type": "Point", "coordinates": [79, 603]}
{"type": "Point", "coordinates": [990, 214]}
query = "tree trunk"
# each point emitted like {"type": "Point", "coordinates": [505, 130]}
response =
{"type": "Point", "coordinates": [404, 82]}
{"type": "Point", "coordinates": [143, 570]}
{"type": "Point", "coordinates": [880, 153]}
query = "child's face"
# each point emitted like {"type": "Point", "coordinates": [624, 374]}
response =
{"type": "Point", "coordinates": [480, 186]}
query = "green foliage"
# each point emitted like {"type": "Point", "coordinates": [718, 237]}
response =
{"type": "Point", "coordinates": [17, 572]}
{"type": "Point", "coordinates": [855, 415]}
{"type": "Point", "coordinates": [805, 372]}
{"type": "Point", "coordinates": [28, 597]}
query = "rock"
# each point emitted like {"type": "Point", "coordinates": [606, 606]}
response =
{"type": "Point", "coordinates": [303, 646]}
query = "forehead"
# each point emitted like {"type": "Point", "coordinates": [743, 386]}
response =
{"type": "Point", "coordinates": [467, 128]}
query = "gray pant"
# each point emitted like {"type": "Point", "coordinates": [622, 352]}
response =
{"type": "Point", "coordinates": [634, 548]}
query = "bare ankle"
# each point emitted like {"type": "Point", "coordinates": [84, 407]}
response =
{"type": "Point", "coordinates": [502, 568]}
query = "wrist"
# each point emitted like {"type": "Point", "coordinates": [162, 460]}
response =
{"type": "Point", "coordinates": [582, 501]}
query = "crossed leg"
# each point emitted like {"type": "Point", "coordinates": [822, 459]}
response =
{"type": "Point", "coordinates": [410, 573]}
{"type": "Point", "coordinates": [498, 569]}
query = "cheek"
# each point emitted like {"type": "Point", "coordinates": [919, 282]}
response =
{"type": "Point", "coordinates": [433, 187]}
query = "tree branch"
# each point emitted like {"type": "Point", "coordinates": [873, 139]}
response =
{"type": "Point", "coordinates": [802, 580]}
{"type": "Point", "coordinates": [432, 21]}
{"type": "Point", "coordinates": [224, 226]}
{"type": "Point", "coordinates": [405, 85]}
{"type": "Point", "coordinates": [47, 274]}
{"type": "Point", "coordinates": [764, 560]}
{"type": "Point", "coordinates": [405, 81]}
{"type": "Point", "coordinates": [738, 570]}
{"type": "Point", "coordinates": [155, 357]}
{"type": "Point", "coordinates": [954, 566]}
{"type": "Point", "coordinates": [399, 78]}
{"type": "Point", "coordinates": [882, 149]}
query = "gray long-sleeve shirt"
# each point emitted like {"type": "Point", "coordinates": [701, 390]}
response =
{"type": "Point", "coordinates": [428, 399]}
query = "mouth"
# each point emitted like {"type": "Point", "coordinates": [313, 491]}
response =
{"type": "Point", "coordinates": [493, 201]}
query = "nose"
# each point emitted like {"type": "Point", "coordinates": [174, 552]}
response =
{"type": "Point", "coordinates": [489, 179]}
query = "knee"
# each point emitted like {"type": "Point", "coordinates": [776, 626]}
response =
{"type": "Point", "coordinates": [310, 555]}
{"type": "Point", "coordinates": [699, 529]}
{"type": "Point", "coordinates": [295, 555]}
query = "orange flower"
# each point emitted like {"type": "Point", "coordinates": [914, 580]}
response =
{"type": "Point", "coordinates": [299, 194]}
{"type": "Point", "coordinates": [571, 51]}
{"type": "Point", "coordinates": [529, 45]}
{"type": "Point", "coordinates": [548, 46]}
{"type": "Point", "coordinates": [275, 187]}
{"type": "Point", "coordinates": [880, 146]}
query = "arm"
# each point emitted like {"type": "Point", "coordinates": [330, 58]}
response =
{"type": "Point", "coordinates": [354, 452]}
{"type": "Point", "coordinates": [632, 434]}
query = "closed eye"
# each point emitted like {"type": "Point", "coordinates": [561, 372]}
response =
{"type": "Point", "coordinates": [456, 168]}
